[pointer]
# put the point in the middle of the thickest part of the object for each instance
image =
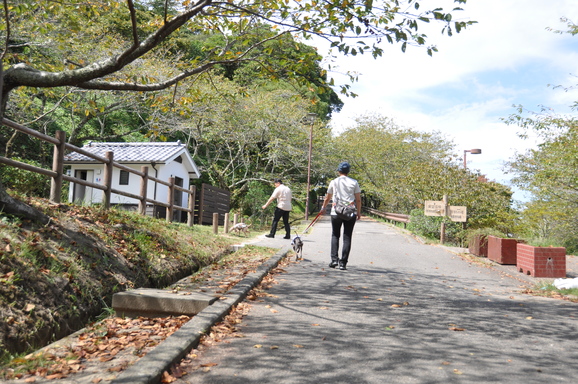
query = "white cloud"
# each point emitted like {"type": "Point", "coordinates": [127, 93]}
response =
{"type": "Point", "coordinates": [508, 58]}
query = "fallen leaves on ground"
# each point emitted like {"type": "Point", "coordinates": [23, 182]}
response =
{"type": "Point", "coordinates": [229, 327]}
{"type": "Point", "coordinates": [101, 343]}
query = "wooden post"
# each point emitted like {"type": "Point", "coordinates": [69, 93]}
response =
{"type": "Point", "coordinates": [144, 182]}
{"type": "Point", "coordinates": [108, 169]}
{"type": "Point", "coordinates": [235, 219]}
{"type": "Point", "coordinates": [191, 214]}
{"type": "Point", "coordinates": [215, 223]}
{"type": "Point", "coordinates": [443, 225]}
{"type": "Point", "coordinates": [226, 223]}
{"type": "Point", "coordinates": [171, 196]}
{"type": "Point", "coordinates": [58, 167]}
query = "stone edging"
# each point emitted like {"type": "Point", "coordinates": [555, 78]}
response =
{"type": "Point", "coordinates": [149, 369]}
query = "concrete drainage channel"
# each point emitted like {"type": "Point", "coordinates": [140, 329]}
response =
{"type": "Point", "coordinates": [150, 368]}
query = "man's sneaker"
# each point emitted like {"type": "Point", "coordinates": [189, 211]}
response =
{"type": "Point", "coordinates": [287, 237]}
{"type": "Point", "coordinates": [342, 267]}
{"type": "Point", "coordinates": [333, 264]}
{"type": "Point", "coordinates": [270, 236]}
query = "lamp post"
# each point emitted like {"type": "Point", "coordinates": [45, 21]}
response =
{"type": "Point", "coordinates": [475, 151]}
{"type": "Point", "coordinates": [310, 118]}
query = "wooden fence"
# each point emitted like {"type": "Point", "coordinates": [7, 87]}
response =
{"type": "Point", "coordinates": [213, 200]}
{"type": "Point", "coordinates": [57, 176]}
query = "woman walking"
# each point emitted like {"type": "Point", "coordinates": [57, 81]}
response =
{"type": "Point", "coordinates": [344, 191]}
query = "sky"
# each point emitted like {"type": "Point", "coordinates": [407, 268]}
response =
{"type": "Point", "coordinates": [508, 58]}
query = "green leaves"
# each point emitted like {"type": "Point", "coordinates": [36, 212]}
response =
{"type": "Point", "coordinates": [549, 173]}
{"type": "Point", "coordinates": [399, 168]}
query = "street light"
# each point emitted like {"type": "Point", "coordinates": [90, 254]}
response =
{"type": "Point", "coordinates": [476, 151]}
{"type": "Point", "coordinates": [310, 118]}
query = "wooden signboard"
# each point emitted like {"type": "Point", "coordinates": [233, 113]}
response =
{"type": "Point", "coordinates": [437, 208]}
{"type": "Point", "coordinates": [458, 213]}
{"type": "Point", "coordinates": [434, 208]}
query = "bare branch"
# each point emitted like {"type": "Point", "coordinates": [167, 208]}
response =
{"type": "Point", "coordinates": [133, 23]}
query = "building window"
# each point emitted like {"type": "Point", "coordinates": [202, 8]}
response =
{"type": "Point", "coordinates": [123, 177]}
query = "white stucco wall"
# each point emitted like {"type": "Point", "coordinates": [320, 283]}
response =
{"type": "Point", "coordinates": [95, 174]}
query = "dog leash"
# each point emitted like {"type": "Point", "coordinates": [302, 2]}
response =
{"type": "Point", "coordinates": [312, 222]}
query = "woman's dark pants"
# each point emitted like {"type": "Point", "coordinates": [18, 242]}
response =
{"type": "Point", "coordinates": [336, 224]}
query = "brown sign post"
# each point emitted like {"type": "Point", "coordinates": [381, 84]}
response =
{"type": "Point", "coordinates": [441, 208]}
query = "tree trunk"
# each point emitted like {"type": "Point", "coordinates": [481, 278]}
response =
{"type": "Point", "coordinates": [16, 207]}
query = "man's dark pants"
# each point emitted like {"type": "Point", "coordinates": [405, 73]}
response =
{"type": "Point", "coordinates": [279, 213]}
{"type": "Point", "coordinates": [336, 224]}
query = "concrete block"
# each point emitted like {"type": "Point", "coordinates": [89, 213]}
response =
{"type": "Point", "coordinates": [148, 302]}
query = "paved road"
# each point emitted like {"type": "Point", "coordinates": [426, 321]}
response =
{"type": "Point", "coordinates": [403, 312]}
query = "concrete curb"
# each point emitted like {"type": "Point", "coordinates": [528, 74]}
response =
{"type": "Point", "coordinates": [149, 369]}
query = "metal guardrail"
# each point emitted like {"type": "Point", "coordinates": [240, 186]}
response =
{"type": "Point", "coordinates": [395, 217]}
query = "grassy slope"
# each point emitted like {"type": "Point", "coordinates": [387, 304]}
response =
{"type": "Point", "coordinates": [55, 279]}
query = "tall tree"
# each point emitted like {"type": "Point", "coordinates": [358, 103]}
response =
{"type": "Point", "coordinates": [399, 168]}
{"type": "Point", "coordinates": [62, 37]}
{"type": "Point", "coordinates": [549, 171]}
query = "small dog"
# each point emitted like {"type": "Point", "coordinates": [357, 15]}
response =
{"type": "Point", "coordinates": [241, 228]}
{"type": "Point", "coordinates": [297, 244]}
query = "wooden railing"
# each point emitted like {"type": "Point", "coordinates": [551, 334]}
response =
{"type": "Point", "coordinates": [57, 175]}
{"type": "Point", "coordinates": [394, 217]}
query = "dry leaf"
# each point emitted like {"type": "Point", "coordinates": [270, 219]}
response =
{"type": "Point", "coordinates": [167, 378]}
{"type": "Point", "coordinates": [456, 329]}
{"type": "Point", "coordinates": [257, 346]}
{"type": "Point", "coordinates": [297, 346]}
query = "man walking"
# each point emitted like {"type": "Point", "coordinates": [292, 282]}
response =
{"type": "Point", "coordinates": [283, 195]}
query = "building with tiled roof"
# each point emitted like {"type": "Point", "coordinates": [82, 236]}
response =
{"type": "Point", "coordinates": [164, 160]}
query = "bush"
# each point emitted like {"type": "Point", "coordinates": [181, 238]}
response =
{"type": "Point", "coordinates": [25, 182]}
{"type": "Point", "coordinates": [250, 204]}
{"type": "Point", "coordinates": [430, 227]}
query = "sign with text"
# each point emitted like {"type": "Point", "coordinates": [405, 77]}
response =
{"type": "Point", "coordinates": [437, 208]}
{"type": "Point", "coordinates": [458, 213]}
{"type": "Point", "coordinates": [434, 208]}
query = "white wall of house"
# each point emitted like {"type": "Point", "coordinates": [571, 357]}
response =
{"type": "Point", "coordinates": [80, 194]}
{"type": "Point", "coordinates": [94, 173]}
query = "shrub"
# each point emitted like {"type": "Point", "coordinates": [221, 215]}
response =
{"type": "Point", "coordinates": [430, 226]}
{"type": "Point", "coordinates": [25, 182]}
